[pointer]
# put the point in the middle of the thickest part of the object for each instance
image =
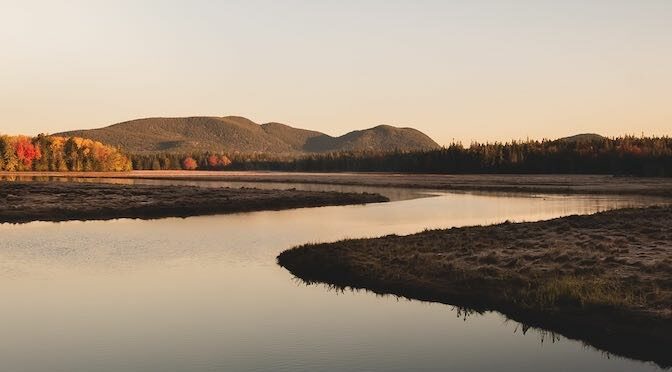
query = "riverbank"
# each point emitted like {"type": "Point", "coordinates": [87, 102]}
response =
{"type": "Point", "coordinates": [22, 202]}
{"type": "Point", "coordinates": [605, 279]}
{"type": "Point", "coordinates": [547, 184]}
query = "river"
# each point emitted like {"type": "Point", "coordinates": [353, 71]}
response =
{"type": "Point", "coordinates": [205, 294]}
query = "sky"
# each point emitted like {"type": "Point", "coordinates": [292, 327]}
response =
{"type": "Point", "coordinates": [457, 70]}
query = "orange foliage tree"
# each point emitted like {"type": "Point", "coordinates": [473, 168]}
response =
{"type": "Point", "coordinates": [189, 163]}
{"type": "Point", "coordinates": [225, 161]}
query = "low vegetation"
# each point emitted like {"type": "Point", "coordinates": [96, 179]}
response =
{"type": "Point", "coordinates": [53, 153]}
{"type": "Point", "coordinates": [61, 201]}
{"type": "Point", "coordinates": [605, 279]}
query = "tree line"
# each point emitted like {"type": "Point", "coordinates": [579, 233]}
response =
{"type": "Point", "coordinates": [629, 155]}
{"type": "Point", "coordinates": [52, 153]}
{"type": "Point", "coordinates": [169, 161]}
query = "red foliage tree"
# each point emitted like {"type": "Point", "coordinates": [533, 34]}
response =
{"type": "Point", "coordinates": [189, 163]}
{"type": "Point", "coordinates": [213, 161]}
{"type": "Point", "coordinates": [26, 152]}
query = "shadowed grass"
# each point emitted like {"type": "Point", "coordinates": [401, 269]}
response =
{"type": "Point", "coordinates": [62, 201]}
{"type": "Point", "coordinates": [584, 292]}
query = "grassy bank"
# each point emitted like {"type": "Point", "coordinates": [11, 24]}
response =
{"type": "Point", "coordinates": [61, 201]}
{"type": "Point", "coordinates": [605, 279]}
{"type": "Point", "coordinates": [547, 184]}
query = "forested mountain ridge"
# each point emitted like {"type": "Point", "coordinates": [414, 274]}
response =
{"type": "Point", "coordinates": [237, 134]}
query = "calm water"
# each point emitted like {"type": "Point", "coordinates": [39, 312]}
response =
{"type": "Point", "coordinates": [205, 294]}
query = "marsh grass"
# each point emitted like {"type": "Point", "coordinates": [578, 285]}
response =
{"type": "Point", "coordinates": [605, 279]}
{"type": "Point", "coordinates": [584, 292]}
{"type": "Point", "coordinates": [22, 202]}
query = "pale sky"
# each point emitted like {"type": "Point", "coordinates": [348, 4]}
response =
{"type": "Point", "coordinates": [463, 70]}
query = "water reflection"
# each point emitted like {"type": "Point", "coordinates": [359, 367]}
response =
{"type": "Point", "coordinates": [204, 293]}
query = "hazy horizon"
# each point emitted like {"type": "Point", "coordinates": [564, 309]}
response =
{"type": "Point", "coordinates": [478, 71]}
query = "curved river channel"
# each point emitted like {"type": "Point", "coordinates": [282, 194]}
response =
{"type": "Point", "coordinates": [205, 294]}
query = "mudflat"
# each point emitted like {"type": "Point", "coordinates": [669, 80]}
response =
{"type": "Point", "coordinates": [605, 279]}
{"type": "Point", "coordinates": [61, 201]}
{"type": "Point", "coordinates": [554, 184]}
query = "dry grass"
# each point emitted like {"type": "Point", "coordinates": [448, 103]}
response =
{"type": "Point", "coordinates": [584, 276]}
{"type": "Point", "coordinates": [61, 201]}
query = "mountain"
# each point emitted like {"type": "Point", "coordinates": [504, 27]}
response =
{"type": "Point", "coordinates": [233, 133]}
{"type": "Point", "coordinates": [294, 137]}
{"type": "Point", "coordinates": [584, 137]}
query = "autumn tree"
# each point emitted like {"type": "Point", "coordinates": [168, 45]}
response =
{"type": "Point", "coordinates": [4, 143]}
{"type": "Point", "coordinates": [213, 161]}
{"type": "Point", "coordinates": [26, 152]}
{"type": "Point", "coordinates": [189, 163]}
{"type": "Point", "coordinates": [11, 162]}
{"type": "Point", "coordinates": [43, 144]}
{"type": "Point", "coordinates": [225, 161]}
{"type": "Point", "coordinates": [44, 153]}
{"type": "Point", "coordinates": [71, 155]}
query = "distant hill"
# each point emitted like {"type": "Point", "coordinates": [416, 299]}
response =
{"type": "Point", "coordinates": [233, 133]}
{"type": "Point", "coordinates": [584, 137]}
{"type": "Point", "coordinates": [295, 138]}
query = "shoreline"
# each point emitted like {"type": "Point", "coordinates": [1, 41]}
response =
{"type": "Point", "coordinates": [604, 279]}
{"type": "Point", "coordinates": [23, 202]}
{"type": "Point", "coordinates": [515, 183]}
